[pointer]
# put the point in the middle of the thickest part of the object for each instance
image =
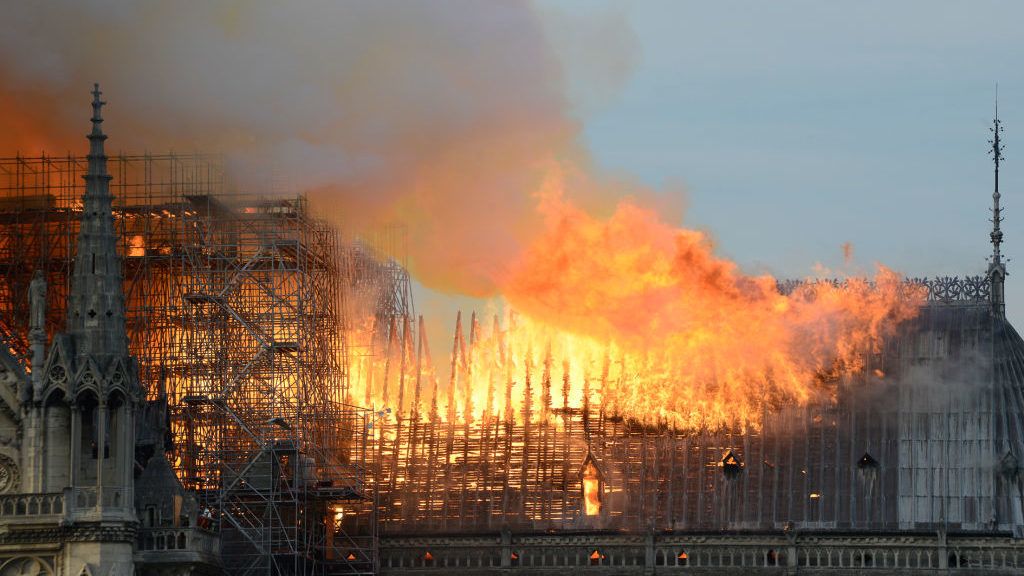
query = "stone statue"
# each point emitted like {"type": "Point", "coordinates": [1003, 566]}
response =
{"type": "Point", "coordinates": [37, 335]}
{"type": "Point", "coordinates": [37, 302]}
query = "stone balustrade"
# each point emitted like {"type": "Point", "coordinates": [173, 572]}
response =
{"type": "Point", "coordinates": [177, 539]}
{"type": "Point", "coordinates": [716, 553]}
{"type": "Point", "coordinates": [31, 505]}
{"type": "Point", "coordinates": [94, 498]}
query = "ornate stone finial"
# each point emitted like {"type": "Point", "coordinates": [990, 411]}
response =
{"type": "Point", "coordinates": [996, 268]}
{"type": "Point", "coordinates": [97, 156]}
{"type": "Point", "coordinates": [97, 104]}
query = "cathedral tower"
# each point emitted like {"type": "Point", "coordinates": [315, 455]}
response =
{"type": "Point", "coordinates": [82, 405]}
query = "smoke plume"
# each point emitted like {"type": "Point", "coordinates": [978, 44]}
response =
{"type": "Point", "coordinates": [442, 115]}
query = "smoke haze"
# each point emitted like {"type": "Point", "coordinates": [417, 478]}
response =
{"type": "Point", "coordinates": [444, 117]}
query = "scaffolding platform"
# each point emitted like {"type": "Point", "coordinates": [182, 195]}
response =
{"type": "Point", "coordinates": [236, 306]}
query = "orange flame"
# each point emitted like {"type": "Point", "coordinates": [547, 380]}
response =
{"type": "Point", "coordinates": [645, 321]}
{"type": "Point", "coordinates": [708, 339]}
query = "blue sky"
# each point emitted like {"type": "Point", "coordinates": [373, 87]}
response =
{"type": "Point", "coordinates": [793, 127]}
{"type": "Point", "coordinates": [797, 126]}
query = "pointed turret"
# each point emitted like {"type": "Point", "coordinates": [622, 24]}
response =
{"type": "Point", "coordinates": [96, 310]}
{"type": "Point", "coordinates": [996, 267]}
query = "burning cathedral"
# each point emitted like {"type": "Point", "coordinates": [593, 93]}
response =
{"type": "Point", "coordinates": [178, 397]}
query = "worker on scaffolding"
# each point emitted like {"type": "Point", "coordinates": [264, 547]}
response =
{"type": "Point", "coordinates": [206, 519]}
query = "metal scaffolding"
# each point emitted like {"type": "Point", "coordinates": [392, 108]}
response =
{"type": "Point", "coordinates": [236, 306]}
{"type": "Point", "coordinates": [515, 451]}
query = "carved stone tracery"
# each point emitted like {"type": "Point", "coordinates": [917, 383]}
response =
{"type": "Point", "coordinates": [10, 475]}
{"type": "Point", "coordinates": [940, 289]}
{"type": "Point", "coordinates": [25, 566]}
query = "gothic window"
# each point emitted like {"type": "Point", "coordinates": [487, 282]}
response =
{"type": "Point", "coordinates": [90, 428]}
{"type": "Point", "coordinates": [94, 434]}
{"type": "Point", "coordinates": [55, 397]}
{"type": "Point", "coordinates": [116, 414]}
{"type": "Point", "coordinates": [88, 439]}
{"type": "Point", "coordinates": [955, 560]}
{"type": "Point", "coordinates": [592, 488]}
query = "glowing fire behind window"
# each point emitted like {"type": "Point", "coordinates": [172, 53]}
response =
{"type": "Point", "coordinates": [137, 246]}
{"type": "Point", "coordinates": [591, 490]}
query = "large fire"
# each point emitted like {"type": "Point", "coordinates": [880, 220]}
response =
{"type": "Point", "coordinates": [644, 320]}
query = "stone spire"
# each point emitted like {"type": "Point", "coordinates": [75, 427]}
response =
{"type": "Point", "coordinates": [996, 267]}
{"type": "Point", "coordinates": [96, 311]}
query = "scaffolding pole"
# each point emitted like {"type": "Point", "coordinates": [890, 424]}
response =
{"type": "Point", "coordinates": [236, 306]}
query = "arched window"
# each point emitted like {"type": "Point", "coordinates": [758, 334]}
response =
{"type": "Point", "coordinates": [682, 559]}
{"type": "Point", "coordinates": [89, 446]}
{"type": "Point", "coordinates": [593, 486]}
{"type": "Point", "coordinates": [955, 560]}
{"type": "Point", "coordinates": [117, 416]}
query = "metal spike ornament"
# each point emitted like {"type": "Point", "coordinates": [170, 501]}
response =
{"type": "Point", "coordinates": [996, 268]}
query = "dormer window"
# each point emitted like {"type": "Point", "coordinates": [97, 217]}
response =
{"type": "Point", "coordinates": [1009, 465]}
{"type": "Point", "coordinates": [731, 465]}
{"type": "Point", "coordinates": [867, 461]}
{"type": "Point", "coordinates": [592, 486]}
